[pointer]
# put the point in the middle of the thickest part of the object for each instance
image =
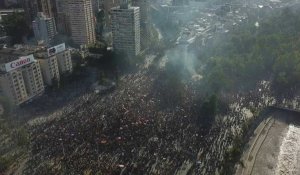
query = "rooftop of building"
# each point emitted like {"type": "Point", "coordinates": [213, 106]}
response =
{"type": "Point", "coordinates": [42, 16]}
{"type": "Point", "coordinates": [41, 55]}
{"type": "Point", "coordinates": [10, 54]}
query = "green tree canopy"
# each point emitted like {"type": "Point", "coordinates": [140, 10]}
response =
{"type": "Point", "coordinates": [15, 25]}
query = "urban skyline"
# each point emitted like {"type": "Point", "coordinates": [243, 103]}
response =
{"type": "Point", "coordinates": [160, 87]}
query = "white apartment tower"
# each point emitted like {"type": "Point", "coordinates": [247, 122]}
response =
{"type": "Point", "coordinates": [44, 28]}
{"type": "Point", "coordinates": [62, 18]}
{"type": "Point", "coordinates": [64, 62]}
{"type": "Point", "coordinates": [144, 20]}
{"type": "Point", "coordinates": [49, 68]}
{"type": "Point", "coordinates": [82, 22]}
{"type": "Point", "coordinates": [126, 29]}
{"type": "Point", "coordinates": [56, 62]}
{"type": "Point", "coordinates": [20, 76]}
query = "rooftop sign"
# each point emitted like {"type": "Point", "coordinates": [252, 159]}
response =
{"type": "Point", "coordinates": [22, 61]}
{"type": "Point", "coordinates": [56, 49]}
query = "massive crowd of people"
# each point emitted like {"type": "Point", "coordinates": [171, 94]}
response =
{"type": "Point", "coordinates": [119, 132]}
{"type": "Point", "coordinates": [127, 132]}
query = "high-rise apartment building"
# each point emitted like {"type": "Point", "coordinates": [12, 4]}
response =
{"type": "Point", "coordinates": [144, 8]}
{"type": "Point", "coordinates": [20, 76]}
{"type": "Point", "coordinates": [126, 29]}
{"type": "Point", "coordinates": [82, 22]}
{"type": "Point", "coordinates": [106, 6]}
{"type": "Point", "coordinates": [32, 7]}
{"type": "Point", "coordinates": [25, 70]}
{"type": "Point", "coordinates": [31, 10]}
{"type": "Point", "coordinates": [144, 21]}
{"type": "Point", "coordinates": [47, 7]}
{"type": "Point", "coordinates": [49, 67]}
{"type": "Point", "coordinates": [63, 56]}
{"type": "Point", "coordinates": [64, 62]}
{"type": "Point", "coordinates": [95, 6]}
{"type": "Point", "coordinates": [54, 62]}
{"type": "Point", "coordinates": [44, 28]}
{"type": "Point", "coordinates": [62, 17]}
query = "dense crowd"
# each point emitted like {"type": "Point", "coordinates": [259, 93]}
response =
{"type": "Point", "coordinates": [120, 132]}
{"type": "Point", "coordinates": [127, 132]}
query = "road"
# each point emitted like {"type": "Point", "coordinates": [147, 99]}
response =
{"type": "Point", "coordinates": [274, 147]}
{"type": "Point", "coordinates": [260, 135]}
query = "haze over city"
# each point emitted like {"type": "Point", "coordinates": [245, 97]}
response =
{"type": "Point", "coordinates": [134, 87]}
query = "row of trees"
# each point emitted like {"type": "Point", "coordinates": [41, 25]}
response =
{"type": "Point", "coordinates": [16, 27]}
{"type": "Point", "coordinates": [250, 54]}
{"type": "Point", "coordinates": [247, 55]}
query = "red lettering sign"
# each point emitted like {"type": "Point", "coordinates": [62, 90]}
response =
{"type": "Point", "coordinates": [19, 63]}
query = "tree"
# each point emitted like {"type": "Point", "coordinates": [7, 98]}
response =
{"type": "Point", "coordinates": [287, 72]}
{"type": "Point", "coordinates": [208, 111]}
{"type": "Point", "coordinates": [15, 25]}
{"type": "Point", "coordinates": [98, 47]}
{"type": "Point", "coordinates": [4, 164]}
